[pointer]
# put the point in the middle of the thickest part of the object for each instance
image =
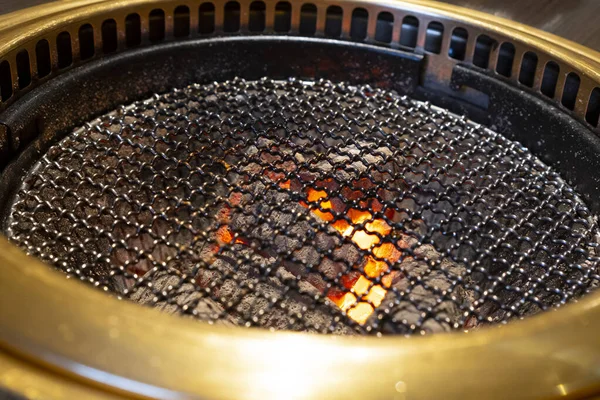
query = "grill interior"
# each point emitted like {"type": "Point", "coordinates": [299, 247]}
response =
{"type": "Point", "coordinates": [307, 205]}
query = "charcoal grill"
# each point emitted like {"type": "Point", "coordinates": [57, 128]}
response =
{"type": "Point", "coordinates": [310, 200]}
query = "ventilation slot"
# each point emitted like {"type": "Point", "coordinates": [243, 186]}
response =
{"type": "Point", "coordinates": [505, 59]}
{"type": "Point", "coordinates": [385, 27]}
{"type": "Point", "coordinates": [232, 17]}
{"type": "Point", "coordinates": [6, 89]}
{"type": "Point", "coordinates": [550, 79]}
{"type": "Point", "coordinates": [206, 18]}
{"type": "Point", "coordinates": [528, 67]}
{"type": "Point", "coordinates": [42, 57]}
{"type": "Point", "coordinates": [409, 32]}
{"type": "Point", "coordinates": [570, 91]}
{"type": "Point", "coordinates": [181, 22]}
{"type": "Point", "coordinates": [157, 25]}
{"type": "Point", "coordinates": [458, 44]}
{"type": "Point", "coordinates": [483, 50]}
{"type": "Point", "coordinates": [133, 30]}
{"type": "Point", "coordinates": [256, 22]}
{"type": "Point", "coordinates": [283, 17]}
{"type": "Point", "coordinates": [333, 21]}
{"type": "Point", "coordinates": [593, 111]}
{"type": "Point", "coordinates": [110, 42]}
{"type": "Point", "coordinates": [23, 69]}
{"type": "Point", "coordinates": [433, 39]}
{"type": "Point", "coordinates": [359, 24]}
{"type": "Point", "coordinates": [86, 42]}
{"type": "Point", "coordinates": [63, 48]}
{"type": "Point", "coordinates": [308, 19]}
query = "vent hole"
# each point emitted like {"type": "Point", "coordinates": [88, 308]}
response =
{"type": "Point", "coordinates": [133, 30]}
{"type": "Point", "coordinates": [206, 18]}
{"type": "Point", "coordinates": [42, 57]}
{"type": "Point", "coordinates": [181, 22]}
{"type": "Point", "coordinates": [505, 59]}
{"type": "Point", "coordinates": [458, 44]}
{"type": "Point", "coordinates": [385, 27]}
{"type": "Point", "coordinates": [86, 42]}
{"type": "Point", "coordinates": [433, 39]}
{"type": "Point", "coordinates": [63, 48]}
{"type": "Point", "coordinates": [483, 50]}
{"type": "Point", "coordinates": [409, 32]}
{"type": "Point", "coordinates": [110, 42]}
{"type": "Point", "coordinates": [333, 21]}
{"type": "Point", "coordinates": [256, 22]}
{"type": "Point", "coordinates": [550, 79]}
{"type": "Point", "coordinates": [157, 25]}
{"type": "Point", "coordinates": [232, 17]}
{"type": "Point", "coordinates": [528, 67]}
{"type": "Point", "coordinates": [593, 110]}
{"type": "Point", "coordinates": [308, 19]}
{"type": "Point", "coordinates": [570, 91]}
{"type": "Point", "coordinates": [23, 69]}
{"type": "Point", "coordinates": [283, 17]}
{"type": "Point", "coordinates": [359, 23]}
{"type": "Point", "coordinates": [6, 89]}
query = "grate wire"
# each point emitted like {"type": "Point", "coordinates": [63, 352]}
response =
{"type": "Point", "coordinates": [308, 206]}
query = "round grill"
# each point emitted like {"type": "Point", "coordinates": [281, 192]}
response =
{"type": "Point", "coordinates": [310, 206]}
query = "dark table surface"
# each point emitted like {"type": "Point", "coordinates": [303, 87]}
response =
{"type": "Point", "coordinates": [578, 20]}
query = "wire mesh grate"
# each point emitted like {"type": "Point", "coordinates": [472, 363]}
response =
{"type": "Point", "coordinates": [309, 206]}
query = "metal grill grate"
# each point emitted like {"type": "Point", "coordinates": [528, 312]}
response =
{"type": "Point", "coordinates": [309, 206]}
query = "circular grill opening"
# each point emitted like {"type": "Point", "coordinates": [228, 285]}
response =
{"type": "Point", "coordinates": [314, 206]}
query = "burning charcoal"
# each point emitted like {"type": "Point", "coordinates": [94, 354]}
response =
{"type": "Point", "coordinates": [310, 206]}
{"type": "Point", "coordinates": [267, 295]}
{"type": "Point", "coordinates": [288, 228]}
{"type": "Point", "coordinates": [412, 301]}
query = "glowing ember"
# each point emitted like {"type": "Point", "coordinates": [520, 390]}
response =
{"type": "Point", "coordinates": [362, 229]}
{"type": "Point", "coordinates": [224, 236]}
{"type": "Point", "coordinates": [366, 239]}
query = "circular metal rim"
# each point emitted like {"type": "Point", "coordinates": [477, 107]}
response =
{"type": "Point", "coordinates": [118, 347]}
